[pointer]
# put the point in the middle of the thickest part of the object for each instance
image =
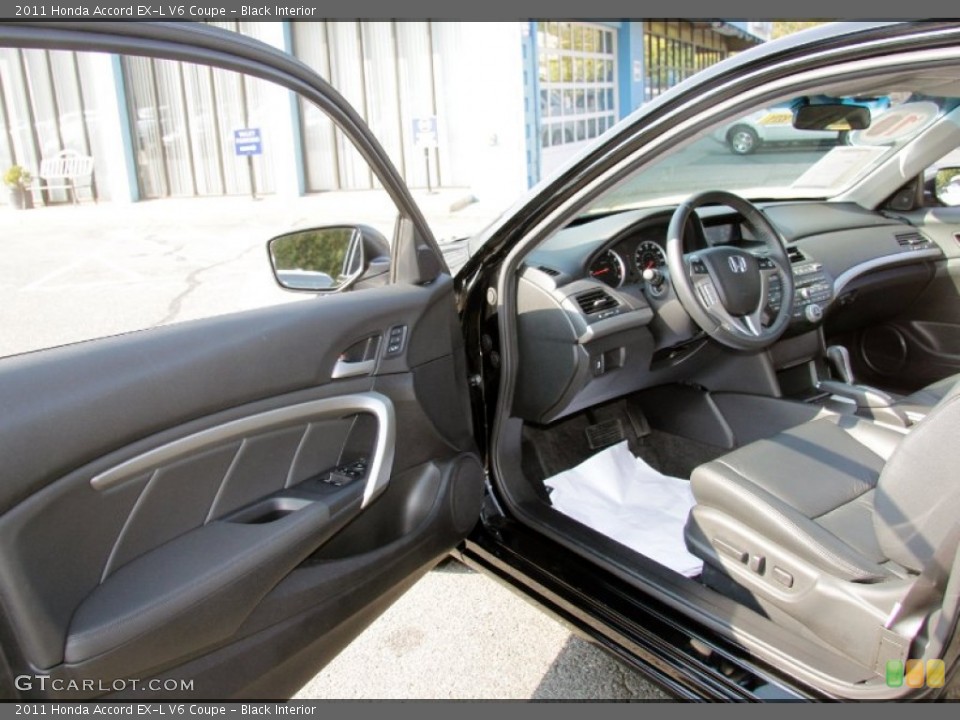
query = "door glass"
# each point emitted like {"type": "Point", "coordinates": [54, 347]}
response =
{"type": "Point", "coordinates": [189, 171]}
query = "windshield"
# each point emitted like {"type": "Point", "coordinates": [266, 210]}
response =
{"type": "Point", "coordinates": [761, 155]}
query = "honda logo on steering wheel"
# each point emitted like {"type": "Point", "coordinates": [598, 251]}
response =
{"type": "Point", "coordinates": [737, 263]}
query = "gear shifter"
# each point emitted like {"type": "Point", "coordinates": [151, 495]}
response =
{"type": "Point", "coordinates": [839, 358]}
{"type": "Point", "coordinates": [870, 401]}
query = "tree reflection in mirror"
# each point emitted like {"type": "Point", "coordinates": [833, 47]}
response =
{"type": "Point", "coordinates": [324, 259]}
{"type": "Point", "coordinates": [948, 186]}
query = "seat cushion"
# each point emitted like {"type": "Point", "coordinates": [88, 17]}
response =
{"type": "Point", "coordinates": [809, 489]}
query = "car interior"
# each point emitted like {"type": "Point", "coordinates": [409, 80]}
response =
{"type": "Point", "coordinates": [789, 361]}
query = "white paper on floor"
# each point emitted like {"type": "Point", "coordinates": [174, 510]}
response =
{"type": "Point", "coordinates": [622, 497]}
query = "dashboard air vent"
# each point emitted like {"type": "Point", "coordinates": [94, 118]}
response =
{"type": "Point", "coordinates": [912, 240]}
{"type": "Point", "coordinates": [795, 255]}
{"type": "Point", "coordinates": [594, 301]}
{"type": "Point", "coordinates": [549, 271]}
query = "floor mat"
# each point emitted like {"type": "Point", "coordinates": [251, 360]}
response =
{"type": "Point", "coordinates": [624, 498]}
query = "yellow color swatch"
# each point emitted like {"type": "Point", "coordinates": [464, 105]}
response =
{"type": "Point", "coordinates": [935, 673]}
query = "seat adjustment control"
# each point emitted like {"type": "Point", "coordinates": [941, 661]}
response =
{"type": "Point", "coordinates": [729, 550]}
{"type": "Point", "coordinates": [782, 577]}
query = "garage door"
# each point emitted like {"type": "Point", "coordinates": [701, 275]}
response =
{"type": "Point", "coordinates": [578, 91]}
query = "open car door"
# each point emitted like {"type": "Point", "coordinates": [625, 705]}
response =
{"type": "Point", "coordinates": [215, 508]}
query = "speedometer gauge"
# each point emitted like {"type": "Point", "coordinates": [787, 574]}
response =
{"type": "Point", "coordinates": [649, 256]}
{"type": "Point", "coordinates": [608, 268]}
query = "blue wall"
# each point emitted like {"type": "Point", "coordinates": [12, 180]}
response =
{"type": "Point", "coordinates": [531, 102]}
{"type": "Point", "coordinates": [630, 66]}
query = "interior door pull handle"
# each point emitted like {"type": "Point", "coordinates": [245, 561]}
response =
{"type": "Point", "coordinates": [344, 369]}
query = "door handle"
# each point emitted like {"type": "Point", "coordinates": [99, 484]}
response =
{"type": "Point", "coordinates": [358, 359]}
{"type": "Point", "coordinates": [344, 368]}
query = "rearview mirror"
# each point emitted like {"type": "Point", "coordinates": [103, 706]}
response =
{"type": "Point", "coordinates": [831, 116]}
{"type": "Point", "coordinates": [329, 259]}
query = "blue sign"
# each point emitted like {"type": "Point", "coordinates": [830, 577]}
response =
{"type": "Point", "coordinates": [425, 131]}
{"type": "Point", "coordinates": [246, 141]}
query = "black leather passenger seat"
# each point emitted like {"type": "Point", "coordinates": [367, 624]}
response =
{"type": "Point", "coordinates": [826, 526]}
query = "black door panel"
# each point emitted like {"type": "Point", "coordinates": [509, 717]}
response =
{"type": "Point", "coordinates": [333, 595]}
{"type": "Point", "coordinates": [165, 492]}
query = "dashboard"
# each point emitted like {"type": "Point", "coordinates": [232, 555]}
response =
{"type": "Point", "coordinates": [593, 328]}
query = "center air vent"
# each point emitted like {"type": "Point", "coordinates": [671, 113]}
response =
{"type": "Point", "coordinates": [912, 240]}
{"type": "Point", "coordinates": [795, 255]}
{"type": "Point", "coordinates": [595, 301]}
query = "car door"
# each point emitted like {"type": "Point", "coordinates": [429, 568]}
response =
{"type": "Point", "coordinates": [215, 508]}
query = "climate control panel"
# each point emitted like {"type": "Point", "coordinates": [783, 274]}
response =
{"type": "Point", "coordinates": [813, 292]}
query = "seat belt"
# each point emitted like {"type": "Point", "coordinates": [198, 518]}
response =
{"type": "Point", "coordinates": [910, 612]}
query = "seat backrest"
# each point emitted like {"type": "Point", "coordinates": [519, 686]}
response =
{"type": "Point", "coordinates": [917, 502]}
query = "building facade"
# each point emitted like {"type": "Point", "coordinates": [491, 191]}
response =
{"type": "Point", "coordinates": [505, 103]}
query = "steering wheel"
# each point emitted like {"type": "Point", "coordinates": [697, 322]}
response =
{"type": "Point", "coordinates": [726, 290]}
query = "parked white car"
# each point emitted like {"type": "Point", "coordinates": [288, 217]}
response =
{"type": "Point", "coordinates": [775, 126]}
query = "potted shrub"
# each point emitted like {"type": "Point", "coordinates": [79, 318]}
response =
{"type": "Point", "coordinates": [18, 179]}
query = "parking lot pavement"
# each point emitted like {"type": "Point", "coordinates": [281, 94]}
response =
{"type": "Point", "coordinates": [73, 273]}
{"type": "Point", "coordinates": [458, 634]}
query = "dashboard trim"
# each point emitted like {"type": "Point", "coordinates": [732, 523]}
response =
{"type": "Point", "coordinates": [848, 275]}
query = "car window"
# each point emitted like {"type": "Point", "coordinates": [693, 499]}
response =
{"type": "Point", "coordinates": [142, 192]}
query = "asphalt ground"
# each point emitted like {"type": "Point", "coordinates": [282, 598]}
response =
{"type": "Point", "coordinates": [458, 634]}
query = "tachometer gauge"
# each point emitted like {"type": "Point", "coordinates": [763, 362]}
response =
{"type": "Point", "coordinates": [608, 268]}
{"type": "Point", "coordinates": [649, 255]}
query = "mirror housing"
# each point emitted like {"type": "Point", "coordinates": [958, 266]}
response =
{"type": "Point", "coordinates": [831, 116]}
{"type": "Point", "coordinates": [329, 259]}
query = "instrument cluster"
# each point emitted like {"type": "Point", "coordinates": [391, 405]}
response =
{"type": "Point", "coordinates": [626, 261]}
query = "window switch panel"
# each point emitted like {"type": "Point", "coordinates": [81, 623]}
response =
{"type": "Point", "coordinates": [396, 339]}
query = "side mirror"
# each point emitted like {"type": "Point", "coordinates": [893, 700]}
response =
{"type": "Point", "coordinates": [946, 186]}
{"type": "Point", "coordinates": [329, 259]}
{"type": "Point", "coordinates": [831, 116]}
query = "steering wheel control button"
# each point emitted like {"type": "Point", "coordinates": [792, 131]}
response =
{"type": "Point", "coordinates": [766, 263]}
{"type": "Point", "coordinates": [395, 340]}
{"type": "Point", "coordinates": [708, 293]}
{"type": "Point", "coordinates": [696, 264]}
